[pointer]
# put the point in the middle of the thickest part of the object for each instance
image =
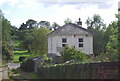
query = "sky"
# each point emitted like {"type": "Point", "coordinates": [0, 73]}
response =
{"type": "Point", "coordinates": [19, 11]}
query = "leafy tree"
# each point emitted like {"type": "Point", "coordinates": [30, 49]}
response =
{"type": "Point", "coordinates": [6, 39]}
{"type": "Point", "coordinates": [45, 24]}
{"type": "Point", "coordinates": [96, 25]}
{"type": "Point", "coordinates": [112, 45]}
{"type": "Point", "coordinates": [96, 22]}
{"type": "Point", "coordinates": [55, 26]}
{"type": "Point", "coordinates": [27, 41]}
{"type": "Point", "coordinates": [109, 31]}
{"type": "Point", "coordinates": [23, 27]}
{"type": "Point", "coordinates": [68, 20]}
{"type": "Point", "coordinates": [31, 23]}
{"type": "Point", "coordinates": [70, 53]}
{"type": "Point", "coordinates": [13, 33]}
{"type": "Point", "coordinates": [39, 45]}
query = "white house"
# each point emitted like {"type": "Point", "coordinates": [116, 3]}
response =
{"type": "Point", "coordinates": [72, 35]}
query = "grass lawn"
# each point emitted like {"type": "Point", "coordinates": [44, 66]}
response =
{"type": "Point", "coordinates": [20, 53]}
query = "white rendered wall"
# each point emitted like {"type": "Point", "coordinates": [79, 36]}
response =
{"type": "Point", "coordinates": [56, 41]}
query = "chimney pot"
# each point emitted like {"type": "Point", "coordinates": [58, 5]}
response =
{"type": "Point", "coordinates": [79, 22]}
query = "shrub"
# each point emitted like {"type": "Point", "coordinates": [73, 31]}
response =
{"type": "Point", "coordinates": [70, 53]}
{"type": "Point", "coordinates": [28, 65]}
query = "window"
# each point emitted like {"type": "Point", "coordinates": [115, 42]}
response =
{"type": "Point", "coordinates": [64, 40]}
{"type": "Point", "coordinates": [80, 45]}
{"type": "Point", "coordinates": [63, 45]}
{"type": "Point", "coordinates": [80, 42]}
{"type": "Point", "coordinates": [80, 39]}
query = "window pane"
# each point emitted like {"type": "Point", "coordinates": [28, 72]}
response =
{"type": "Point", "coordinates": [63, 45]}
{"type": "Point", "coordinates": [80, 45]}
{"type": "Point", "coordinates": [80, 39]}
{"type": "Point", "coordinates": [64, 40]}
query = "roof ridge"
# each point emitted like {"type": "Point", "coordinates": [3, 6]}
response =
{"type": "Point", "coordinates": [72, 25]}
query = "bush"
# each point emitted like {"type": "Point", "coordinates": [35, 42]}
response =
{"type": "Point", "coordinates": [70, 53]}
{"type": "Point", "coordinates": [28, 65]}
{"type": "Point", "coordinates": [22, 58]}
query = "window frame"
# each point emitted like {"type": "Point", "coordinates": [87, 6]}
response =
{"type": "Point", "coordinates": [80, 42]}
{"type": "Point", "coordinates": [64, 40]}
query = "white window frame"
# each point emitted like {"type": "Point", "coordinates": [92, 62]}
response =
{"type": "Point", "coordinates": [80, 42]}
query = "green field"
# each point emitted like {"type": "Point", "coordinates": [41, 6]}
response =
{"type": "Point", "coordinates": [19, 53]}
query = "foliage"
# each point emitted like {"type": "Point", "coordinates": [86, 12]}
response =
{"type": "Point", "coordinates": [96, 22]}
{"type": "Point", "coordinates": [55, 26]}
{"type": "Point", "coordinates": [28, 65]}
{"type": "Point", "coordinates": [45, 24]}
{"type": "Point", "coordinates": [70, 70]}
{"type": "Point", "coordinates": [13, 33]}
{"type": "Point", "coordinates": [70, 53]}
{"type": "Point", "coordinates": [96, 25]}
{"type": "Point", "coordinates": [68, 20]}
{"type": "Point", "coordinates": [47, 60]}
{"type": "Point", "coordinates": [30, 24]}
{"type": "Point", "coordinates": [39, 44]}
{"type": "Point", "coordinates": [27, 42]}
{"type": "Point", "coordinates": [6, 39]}
{"type": "Point", "coordinates": [23, 27]}
{"type": "Point", "coordinates": [112, 45]}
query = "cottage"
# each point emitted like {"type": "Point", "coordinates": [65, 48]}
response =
{"type": "Point", "coordinates": [71, 35]}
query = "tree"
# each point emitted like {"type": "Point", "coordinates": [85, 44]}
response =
{"type": "Point", "coordinates": [31, 23]}
{"type": "Point", "coordinates": [13, 33]}
{"type": "Point", "coordinates": [96, 25]}
{"type": "Point", "coordinates": [68, 20]}
{"type": "Point", "coordinates": [28, 39]}
{"type": "Point", "coordinates": [55, 26]}
{"type": "Point", "coordinates": [96, 22]}
{"type": "Point", "coordinates": [6, 39]}
{"type": "Point", "coordinates": [112, 44]}
{"type": "Point", "coordinates": [45, 24]}
{"type": "Point", "coordinates": [23, 27]}
{"type": "Point", "coordinates": [39, 45]}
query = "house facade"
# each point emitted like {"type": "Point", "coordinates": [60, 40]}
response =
{"type": "Point", "coordinates": [71, 35]}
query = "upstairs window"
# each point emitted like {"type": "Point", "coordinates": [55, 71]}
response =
{"type": "Point", "coordinates": [64, 40]}
{"type": "Point", "coordinates": [80, 39]}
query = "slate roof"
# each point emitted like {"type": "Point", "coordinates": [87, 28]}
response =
{"type": "Point", "coordinates": [70, 29]}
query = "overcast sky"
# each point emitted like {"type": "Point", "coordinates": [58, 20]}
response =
{"type": "Point", "coordinates": [19, 11]}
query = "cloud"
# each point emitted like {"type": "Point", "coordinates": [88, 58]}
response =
{"type": "Point", "coordinates": [59, 11]}
{"type": "Point", "coordinates": [6, 11]}
{"type": "Point", "coordinates": [17, 21]}
{"type": "Point", "coordinates": [74, 12]}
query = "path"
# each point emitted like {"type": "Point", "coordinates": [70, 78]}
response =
{"type": "Point", "coordinates": [4, 70]}
{"type": "Point", "coordinates": [13, 65]}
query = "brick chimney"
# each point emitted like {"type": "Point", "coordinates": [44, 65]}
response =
{"type": "Point", "coordinates": [79, 22]}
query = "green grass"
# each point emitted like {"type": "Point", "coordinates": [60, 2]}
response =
{"type": "Point", "coordinates": [20, 53]}
{"type": "Point", "coordinates": [17, 43]}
